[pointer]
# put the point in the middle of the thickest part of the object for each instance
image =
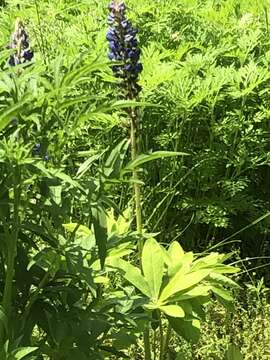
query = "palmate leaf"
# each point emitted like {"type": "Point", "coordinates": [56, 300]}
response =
{"type": "Point", "coordinates": [153, 266]}
{"type": "Point", "coordinates": [131, 274]}
{"type": "Point", "coordinates": [182, 281]}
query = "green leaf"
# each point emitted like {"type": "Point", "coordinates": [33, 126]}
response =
{"type": "Point", "coordinates": [233, 353]}
{"type": "Point", "coordinates": [7, 115]}
{"type": "Point", "coordinates": [173, 311]}
{"type": "Point", "coordinates": [122, 104]}
{"type": "Point", "coordinates": [84, 167]}
{"type": "Point", "coordinates": [188, 329]}
{"type": "Point", "coordinates": [100, 230]}
{"type": "Point", "coordinates": [223, 280]}
{"type": "Point", "coordinates": [115, 160]}
{"type": "Point", "coordinates": [81, 230]}
{"type": "Point", "coordinates": [131, 274]}
{"type": "Point", "coordinates": [153, 266]}
{"type": "Point", "coordinates": [225, 269]}
{"type": "Point", "coordinates": [175, 251]}
{"type": "Point", "coordinates": [22, 352]}
{"type": "Point", "coordinates": [211, 259]}
{"type": "Point", "coordinates": [144, 158]}
{"type": "Point", "coordinates": [181, 282]}
{"type": "Point", "coordinates": [224, 294]}
{"type": "Point", "coordinates": [56, 194]}
{"type": "Point", "coordinates": [200, 290]}
{"type": "Point", "coordinates": [56, 173]}
{"type": "Point", "coordinates": [178, 262]}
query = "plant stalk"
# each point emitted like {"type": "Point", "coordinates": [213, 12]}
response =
{"type": "Point", "coordinates": [161, 338]}
{"type": "Point", "coordinates": [43, 50]}
{"type": "Point", "coordinates": [167, 341]}
{"type": "Point", "coordinates": [137, 190]}
{"type": "Point", "coordinates": [134, 138]}
{"type": "Point", "coordinates": [12, 239]}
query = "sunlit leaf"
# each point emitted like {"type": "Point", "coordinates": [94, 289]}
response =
{"type": "Point", "coordinates": [173, 311]}
{"type": "Point", "coordinates": [132, 274]}
{"type": "Point", "coordinates": [182, 281]}
{"type": "Point", "coordinates": [144, 158]}
{"type": "Point", "coordinates": [22, 352]}
{"type": "Point", "coordinates": [152, 265]}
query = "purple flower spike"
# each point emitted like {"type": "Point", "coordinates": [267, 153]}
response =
{"type": "Point", "coordinates": [124, 47]}
{"type": "Point", "coordinates": [20, 43]}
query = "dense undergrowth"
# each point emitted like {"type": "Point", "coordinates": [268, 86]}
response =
{"type": "Point", "coordinates": [65, 163]}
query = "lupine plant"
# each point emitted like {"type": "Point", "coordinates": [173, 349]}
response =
{"type": "Point", "coordinates": [78, 279]}
{"type": "Point", "coordinates": [124, 48]}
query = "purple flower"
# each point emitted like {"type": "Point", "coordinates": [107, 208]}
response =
{"type": "Point", "coordinates": [20, 43]}
{"type": "Point", "coordinates": [123, 46]}
{"type": "Point", "coordinates": [37, 149]}
{"type": "Point", "coordinates": [28, 55]}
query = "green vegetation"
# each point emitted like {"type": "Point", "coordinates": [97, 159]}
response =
{"type": "Point", "coordinates": [134, 199]}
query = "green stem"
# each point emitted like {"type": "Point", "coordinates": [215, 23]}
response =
{"type": "Point", "coordinates": [12, 239]}
{"type": "Point", "coordinates": [155, 345]}
{"type": "Point", "coordinates": [147, 345]}
{"type": "Point", "coordinates": [137, 190]}
{"type": "Point", "coordinates": [41, 33]}
{"type": "Point", "coordinates": [167, 340]}
{"type": "Point", "coordinates": [134, 137]}
{"type": "Point", "coordinates": [266, 18]}
{"type": "Point", "coordinates": [161, 338]}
